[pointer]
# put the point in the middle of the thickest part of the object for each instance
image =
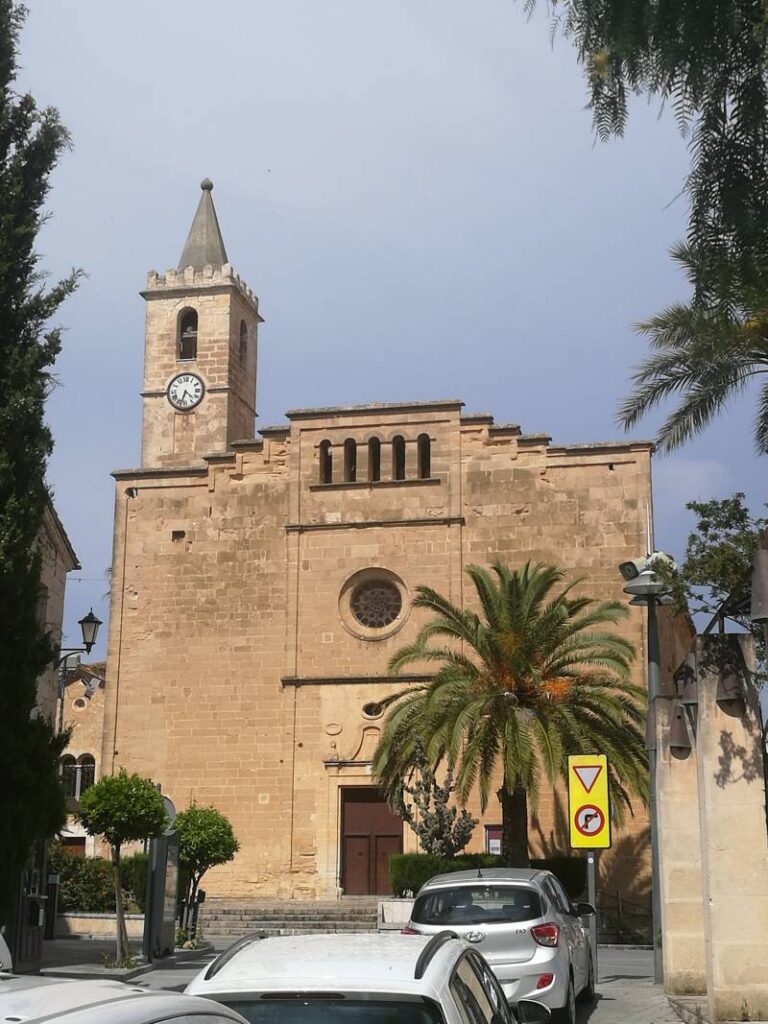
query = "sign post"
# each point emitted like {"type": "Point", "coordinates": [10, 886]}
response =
{"type": "Point", "coordinates": [589, 821]}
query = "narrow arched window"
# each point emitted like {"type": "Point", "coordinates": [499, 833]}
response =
{"type": "Point", "coordinates": [425, 461]}
{"type": "Point", "coordinates": [68, 770]}
{"type": "Point", "coordinates": [243, 344]}
{"type": "Point", "coordinates": [187, 343]}
{"type": "Point", "coordinates": [326, 463]}
{"type": "Point", "coordinates": [87, 764]}
{"type": "Point", "coordinates": [350, 461]}
{"type": "Point", "coordinates": [374, 459]}
{"type": "Point", "coordinates": [398, 457]}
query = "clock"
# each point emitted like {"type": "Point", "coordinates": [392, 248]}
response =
{"type": "Point", "coordinates": [185, 391]}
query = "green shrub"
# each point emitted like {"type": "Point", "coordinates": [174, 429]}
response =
{"type": "Point", "coordinates": [88, 887]}
{"type": "Point", "coordinates": [133, 872]}
{"type": "Point", "coordinates": [409, 871]}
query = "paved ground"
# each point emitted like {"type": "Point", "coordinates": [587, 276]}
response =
{"type": "Point", "coordinates": [626, 993]}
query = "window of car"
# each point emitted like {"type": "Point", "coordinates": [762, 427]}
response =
{"type": "Point", "coordinates": [557, 896]}
{"type": "Point", "coordinates": [491, 985]}
{"type": "Point", "coordinates": [471, 994]}
{"type": "Point", "coordinates": [313, 1008]}
{"type": "Point", "coordinates": [477, 904]}
{"type": "Point", "coordinates": [564, 897]}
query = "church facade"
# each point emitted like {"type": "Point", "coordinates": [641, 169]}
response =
{"type": "Point", "coordinates": [262, 582]}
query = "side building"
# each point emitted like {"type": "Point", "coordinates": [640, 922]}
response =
{"type": "Point", "coordinates": [261, 584]}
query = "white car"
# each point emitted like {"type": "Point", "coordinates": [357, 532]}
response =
{"type": "Point", "coordinates": [359, 979]}
{"type": "Point", "coordinates": [31, 998]}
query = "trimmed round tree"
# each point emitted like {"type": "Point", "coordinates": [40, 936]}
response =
{"type": "Point", "coordinates": [122, 809]}
{"type": "Point", "coordinates": [206, 838]}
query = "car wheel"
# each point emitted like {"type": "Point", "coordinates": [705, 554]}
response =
{"type": "Point", "coordinates": [587, 994]}
{"type": "Point", "coordinates": [567, 1013]}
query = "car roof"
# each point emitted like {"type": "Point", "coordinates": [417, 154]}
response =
{"type": "Point", "coordinates": [346, 963]}
{"type": "Point", "coordinates": [529, 875]}
{"type": "Point", "coordinates": [86, 1002]}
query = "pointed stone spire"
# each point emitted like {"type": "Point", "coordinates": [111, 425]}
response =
{"type": "Point", "coordinates": [204, 244]}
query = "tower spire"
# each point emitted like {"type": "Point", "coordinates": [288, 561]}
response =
{"type": "Point", "coordinates": [204, 244]}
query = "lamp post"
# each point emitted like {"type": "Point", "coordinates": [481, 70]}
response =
{"type": "Point", "coordinates": [89, 628]}
{"type": "Point", "coordinates": [646, 588]}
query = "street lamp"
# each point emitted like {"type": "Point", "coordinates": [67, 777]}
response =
{"type": "Point", "coordinates": [647, 588]}
{"type": "Point", "coordinates": [89, 628]}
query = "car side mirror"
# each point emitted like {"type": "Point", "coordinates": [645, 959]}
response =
{"type": "Point", "coordinates": [529, 1011]}
{"type": "Point", "coordinates": [585, 910]}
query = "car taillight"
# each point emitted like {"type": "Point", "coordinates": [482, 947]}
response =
{"type": "Point", "coordinates": [545, 980]}
{"type": "Point", "coordinates": [546, 934]}
{"type": "Point", "coordinates": [409, 931]}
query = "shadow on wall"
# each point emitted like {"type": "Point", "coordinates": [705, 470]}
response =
{"type": "Point", "coordinates": [736, 763]}
{"type": "Point", "coordinates": [624, 879]}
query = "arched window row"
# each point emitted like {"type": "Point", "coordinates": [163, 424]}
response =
{"type": "Point", "coordinates": [77, 774]}
{"type": "Point", "coordinates": [354, 469]}
{"type": "Point", "coordinates": [186, 337]}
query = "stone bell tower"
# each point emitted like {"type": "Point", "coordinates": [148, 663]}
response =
{"type": "Point", "coordinates": [200, 351]}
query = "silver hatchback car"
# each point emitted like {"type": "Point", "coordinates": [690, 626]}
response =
{"type": "Point", "coordinates": [524, 924]}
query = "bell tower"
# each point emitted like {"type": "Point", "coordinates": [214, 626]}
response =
{"type": "Point", "coordinates": [200, 351]}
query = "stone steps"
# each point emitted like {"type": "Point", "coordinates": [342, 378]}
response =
{"type": "Point", "coordinates": [220, 918]}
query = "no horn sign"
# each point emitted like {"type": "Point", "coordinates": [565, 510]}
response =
{"type": "Point", "coordinates": [588, 811]}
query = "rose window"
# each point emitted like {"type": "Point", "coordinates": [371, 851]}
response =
{"type": "Point", "coordinates": [376, 604]}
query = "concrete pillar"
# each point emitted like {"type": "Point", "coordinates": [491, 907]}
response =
{"type": "Point", "coordinates": [682, 911]}
{"type": "Point", "coordinates": [734, 837]}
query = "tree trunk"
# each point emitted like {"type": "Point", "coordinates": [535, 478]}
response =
{"type": "Point", "coordinates": [122, 933]}
{"type": "Point", "coordinates": [192, 895]}
{"type": "Point", "coordinates": [514, 826]}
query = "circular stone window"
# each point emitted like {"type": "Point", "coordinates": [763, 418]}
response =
{"type": "Point", "coordinates": [373, 604]}
{"type": "Point", "coordinates": [373, 709]}
{"type": "Point", "coordinates": [376, 603]}
{"type": "Point", "coordinates": [79, 703]}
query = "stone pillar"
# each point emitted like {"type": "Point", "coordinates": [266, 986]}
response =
{"type": "Point", "coordinates": [682, 912]}
{"type": "Point", "coordinates": [734, 838]}
{"type": "Point", "coordinates": [411, 459]}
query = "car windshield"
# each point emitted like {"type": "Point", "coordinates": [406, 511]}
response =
{"type": "Point", "coordinates": [477, 904]}
{"type": "Point", "coordinates": [298, 1008]}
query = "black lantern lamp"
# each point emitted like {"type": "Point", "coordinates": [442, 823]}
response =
{"type": "Point", "coordinates": [89, 627]}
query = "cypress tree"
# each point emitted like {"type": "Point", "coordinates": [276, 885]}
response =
{"type": "Point", "coordinates": [31, 141]}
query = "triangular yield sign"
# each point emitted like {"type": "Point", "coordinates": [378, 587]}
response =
{"type": "Point", "coordinates": [587, 774]}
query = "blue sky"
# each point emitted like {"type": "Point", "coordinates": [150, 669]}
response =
{"type": "Point", "coordinates": [412, 188]}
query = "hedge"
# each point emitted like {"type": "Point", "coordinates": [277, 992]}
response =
{"type": "Point", "coordinates": [133, 874]}
{"type": "Point", "coordinates": [409, 871]}
{"type": "Point", "coordinates": [87, 885]}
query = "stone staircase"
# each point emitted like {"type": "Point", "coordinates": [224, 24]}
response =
{"type": "Point", "coordinates": [230, 919]}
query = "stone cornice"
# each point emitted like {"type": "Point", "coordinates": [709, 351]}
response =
{"type": "Point", "coordinates": [368, 524]}
{"type": "Point", "coordinates": [354, 680]}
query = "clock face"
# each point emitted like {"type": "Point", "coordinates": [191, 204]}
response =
{"type": "Point", "coordinates": [186, 391]}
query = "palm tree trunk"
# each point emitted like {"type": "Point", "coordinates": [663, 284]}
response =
{"type": "Point", "coordinates": [514, 826]}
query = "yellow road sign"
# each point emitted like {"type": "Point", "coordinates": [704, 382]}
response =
{"type": "Point", "coordinates": [588, 810]}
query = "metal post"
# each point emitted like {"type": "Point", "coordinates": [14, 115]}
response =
{"type": "Point", "coordinates": [654, 686]}
{"type": "Point", "coordinates": [592, 898]}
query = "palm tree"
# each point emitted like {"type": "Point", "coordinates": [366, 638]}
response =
{"type": "Point", "coordinates": [704, 353]}
{"type": "Point", "coordinates": [535, 677]}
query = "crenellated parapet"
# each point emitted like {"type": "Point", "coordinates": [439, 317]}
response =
{"type": "Point", "coordinates": [190, 278]}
